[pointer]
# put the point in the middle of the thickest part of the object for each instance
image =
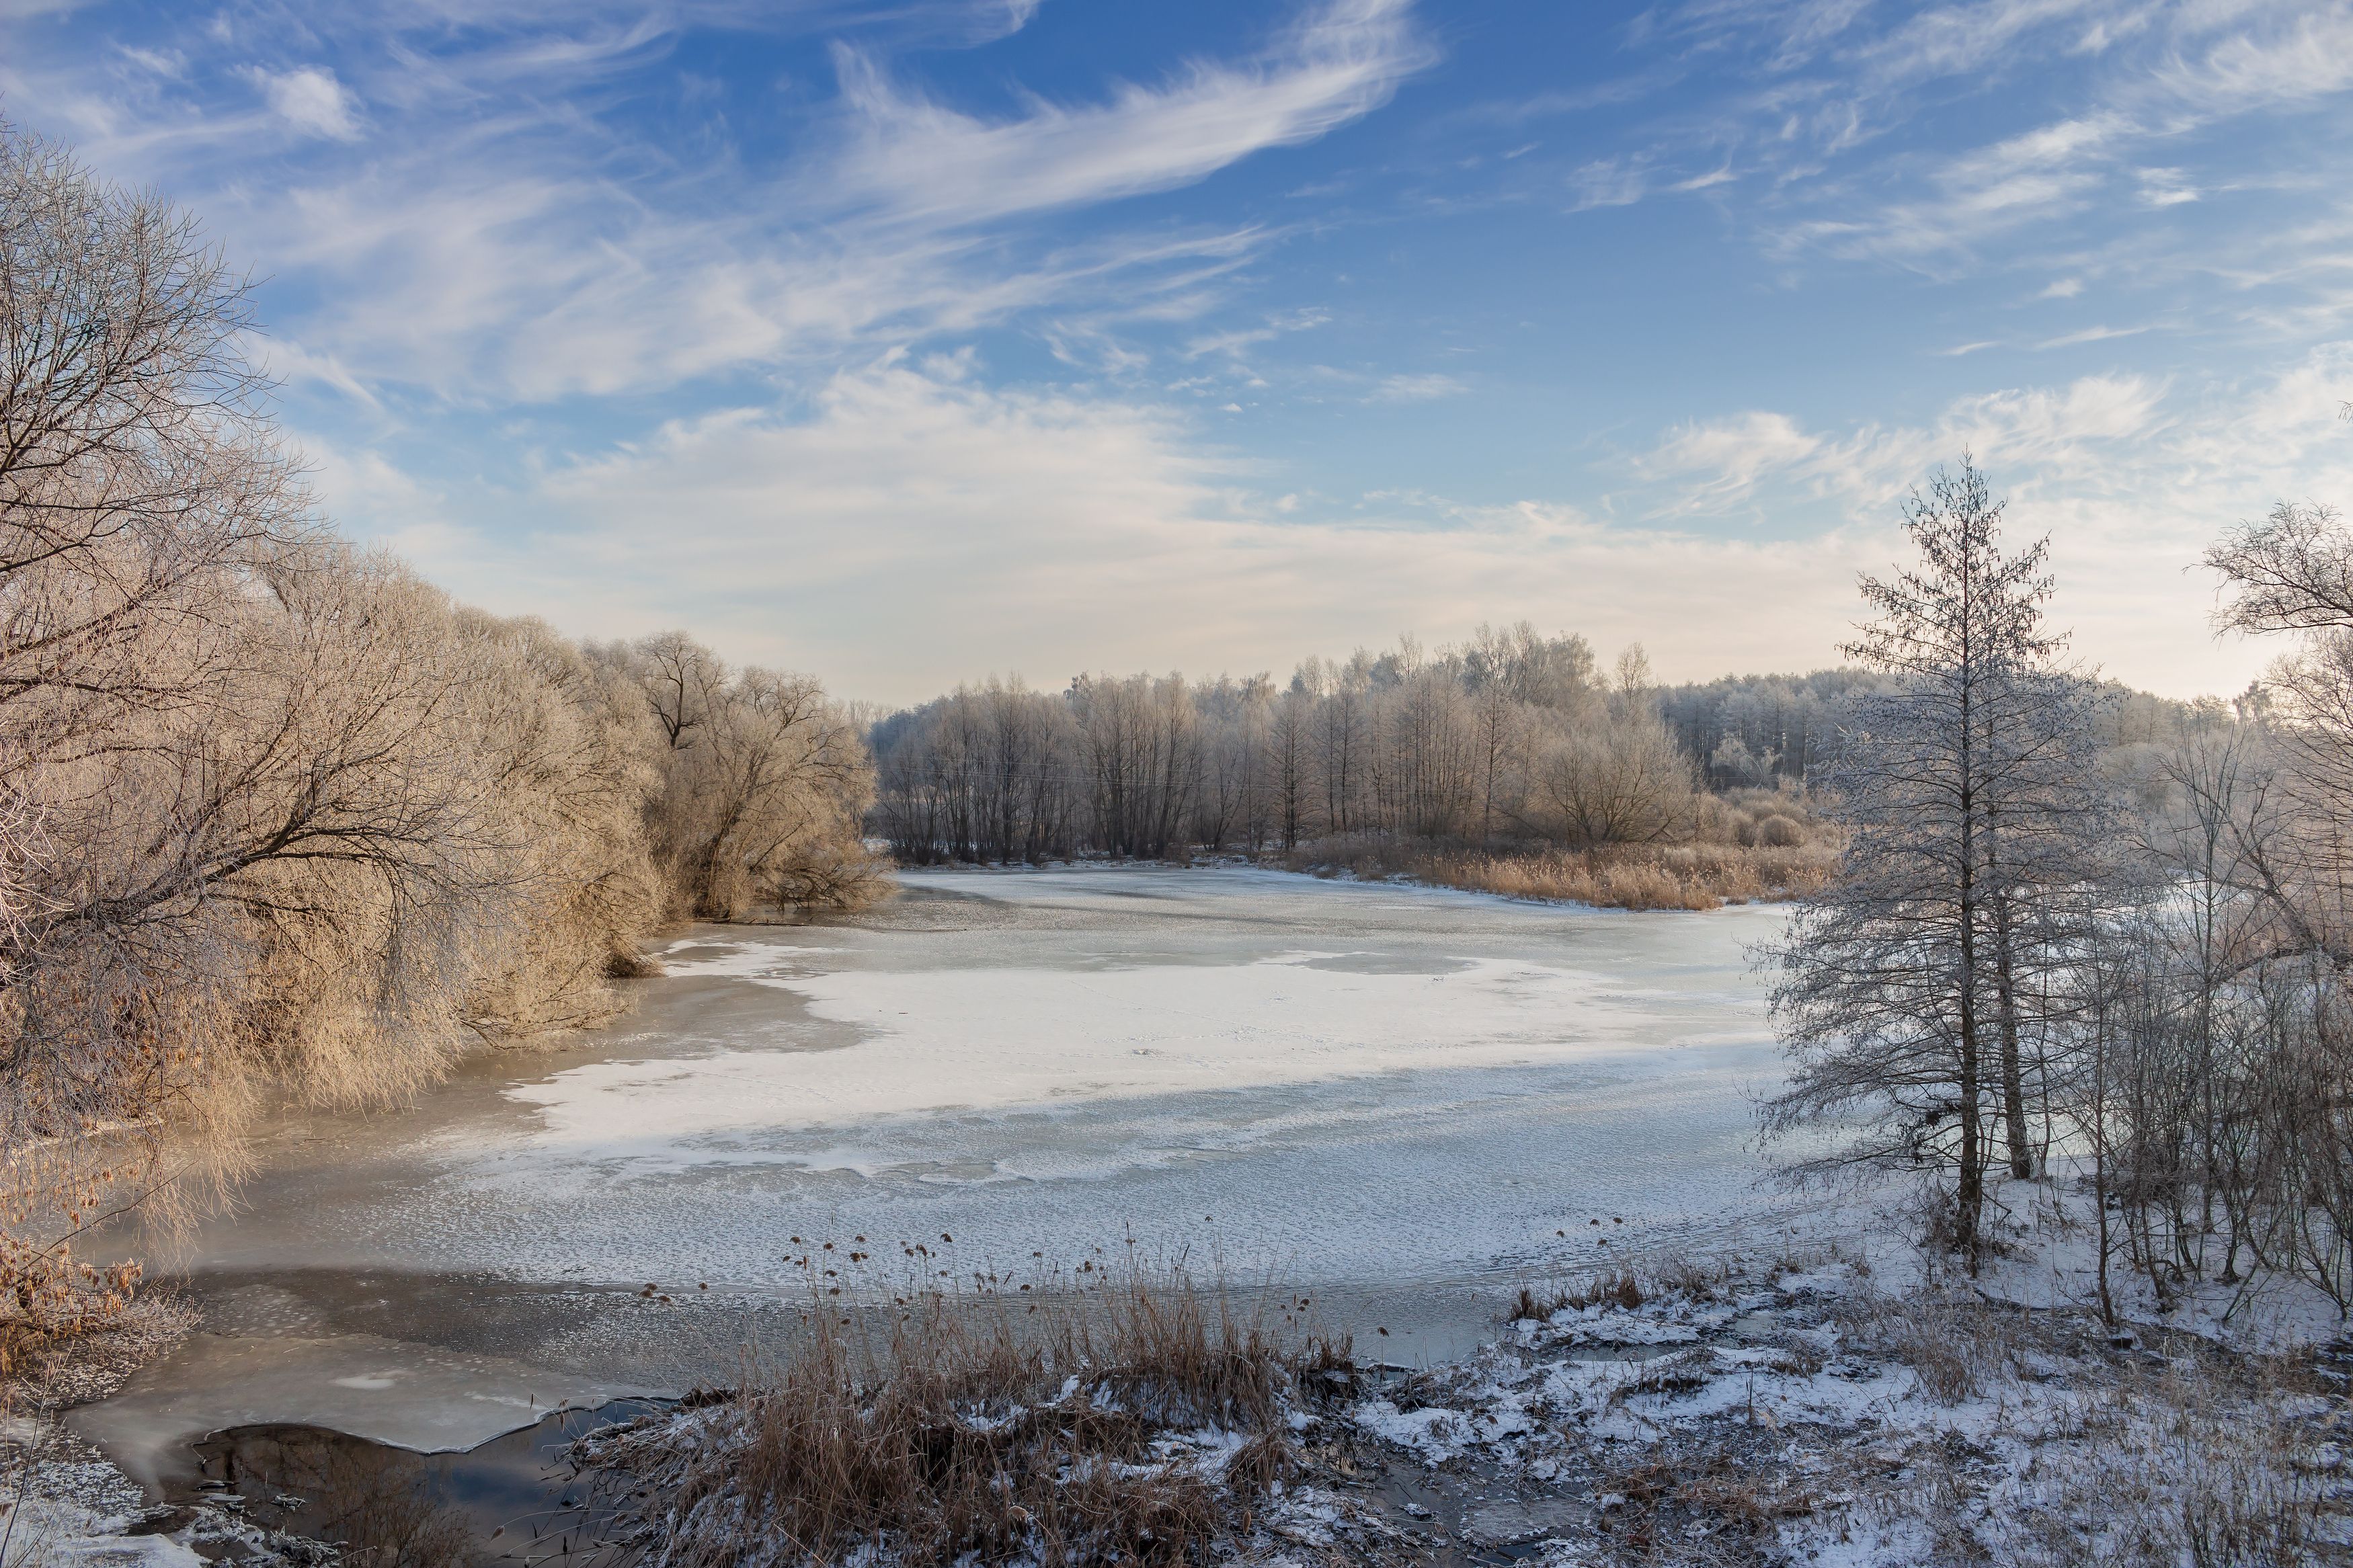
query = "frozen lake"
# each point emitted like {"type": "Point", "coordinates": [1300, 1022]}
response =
{"type": "Point", "coordinates": [1395, 1099]}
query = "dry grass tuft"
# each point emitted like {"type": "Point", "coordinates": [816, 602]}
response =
{"type": "Point", "coordinates": [1954, 1345]}
{"type": "Point", "coordinates": [1697, 1504]}
{"type": "Point", "coordinates": [1535, 1306]}
{"type": "Point", "coordinates": [2179, 1470]}
{"type": "Point", "coordinates": [2206, 1456]}
{"type": "Point", "coordinates": [51, 1368]}
{"type": "Point", "coordinates": [1065, 1433]}
{"type": "Point", "coordinates": [1619, 1290]}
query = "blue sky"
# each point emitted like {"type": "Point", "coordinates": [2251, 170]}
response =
{"type": "Point", "coordinates": [908, 343]}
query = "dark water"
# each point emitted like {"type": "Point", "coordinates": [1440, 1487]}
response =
{"type": "Point", "coordinates": [515, 1500]}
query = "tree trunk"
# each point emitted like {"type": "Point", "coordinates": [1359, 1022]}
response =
{"type": "Point", "coordinates": [1968, 1197]}
{"type": "Point", "coordinates": [2013, 1076]}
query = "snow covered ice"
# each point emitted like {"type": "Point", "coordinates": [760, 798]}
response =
{"type": "Point", "coordinates": [1394, 1098]}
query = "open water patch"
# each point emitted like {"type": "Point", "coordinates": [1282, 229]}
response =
{"type": "Point", "coordinates": [515, 1498]}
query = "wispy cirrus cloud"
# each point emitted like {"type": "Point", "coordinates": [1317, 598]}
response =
{"type": "Point", "coordinates": [1831, 133]}
{"type": "Point", "coordinates": [1424, 388]}
{"type": "Point", "coordinates": [915, 160]}
{"type": "Point", "coordinates": [467, 215]}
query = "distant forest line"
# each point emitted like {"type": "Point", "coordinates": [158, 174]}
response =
{"type": "Point", "coordinates": [1511, 738]}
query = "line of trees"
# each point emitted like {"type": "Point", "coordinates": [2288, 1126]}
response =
{"type": "Point", "coordinates": [1511, 736]}
{"type": "Point", "coordinates": [1758, 731]}
{"type": "Point", "coordinates": [275, 815]}
{"type": "Point", "coordinates": [2066, 940]}
{"type": "Point", "coordinates": [1781, 731]}
{"type": "Point", "coordinates": [1510, 739]}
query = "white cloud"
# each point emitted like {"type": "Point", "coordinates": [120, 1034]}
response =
{"type": "Point", "coordinates": [2306, 54]}
{"type": "Point", "coordinates": [1979, 196]}
{"type": "Point", "coordinates": [309, 99]}
{"type": "Point", "coordinates": [913, 159]}
{"type": "Point", "coordinates": [1731, 455]}
{"type": "Point", "coordinates": [921, 529]}
{"type": "Point", "coordinates": [487, 231]}
{"type": "Point", "coordinates": [1721, 466]}
{"type": "Point", "coordinates": [2089, 335]}
{"type": "Point", "coordinates": [2166, 188]}
{"type": "Point", "coordinates": [1844, 156]}
{"type": "Point", "coordinates": [1606, 182]}
{"type": "Point", "coordinates": [2132, 478]}
{"type": "Point", "coordinates": [286, 361]}
{"type": "Point", "coordinates": [1237, 341]}
{"type": "Point", "coordinates": [1952, 39]}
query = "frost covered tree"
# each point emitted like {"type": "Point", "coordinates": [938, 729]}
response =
{"type": "Point", "coordinates": [1619, 780]}
{"type": "Point", "coordinates": [1910, 993]}
{"type": "Point", "coordinates": [762, 784]}
{"type": "Point", "coordinates": [1509, 736]}
{"type": "Point", "coordinates": [2293, 573]}
{"type": "Point", "coordinates": [275, 817]}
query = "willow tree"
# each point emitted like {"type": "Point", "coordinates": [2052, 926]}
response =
{"type": "Point", "coordinates": [762, 784]}
{"type": "Point", "coordinates": [1906, 995]}
{"type": "Point", "coordinates": [272, 815]}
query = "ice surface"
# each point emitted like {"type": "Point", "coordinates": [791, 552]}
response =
{"type": "Point", "coordinates": [998, 1039]}
{"type": "Point", "coordinates": [1394, 1098]}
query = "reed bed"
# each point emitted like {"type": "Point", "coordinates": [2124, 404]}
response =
{"type": "Point", "coordinates": [1622, 877]}
{"type": "Point", "coordinates": [1139, 1421]}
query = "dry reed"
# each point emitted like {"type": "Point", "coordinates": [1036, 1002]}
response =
{"type": "Point", "coordinates": [1136, 1422]}
{"type": "Point", "coordinates": [1625, 876]}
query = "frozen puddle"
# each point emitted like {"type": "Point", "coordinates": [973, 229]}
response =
{"type": "Point", "coordinates": [1407, 1101]}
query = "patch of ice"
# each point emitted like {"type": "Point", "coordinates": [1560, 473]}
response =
{"type": "Point", "coordinates": [433, 1401]}
{"type": "Point", "coordinates": [763, 962]}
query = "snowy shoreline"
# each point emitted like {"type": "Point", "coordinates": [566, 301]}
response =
{"type": "Point", "coordinates": [1782, 1412]}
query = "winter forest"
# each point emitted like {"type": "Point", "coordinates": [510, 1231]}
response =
{"type": "Point", "coordinates": [2031, 1238]}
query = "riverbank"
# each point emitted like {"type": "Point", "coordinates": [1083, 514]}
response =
{"type": "Point", "coordinates": [1798, 1414]}
{"type": "Point", "coordinates": [1804, 1404]}
{"type": "Point", "coordinates": [1789, 1411]}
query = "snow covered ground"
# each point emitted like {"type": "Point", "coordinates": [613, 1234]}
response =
{"type": "Point", "coordinates": [1772, 1410]}
{"type": "Point", "coordinates": [1800, 1416]}
{"type": "Point", "coordinates": [1776, 1409]}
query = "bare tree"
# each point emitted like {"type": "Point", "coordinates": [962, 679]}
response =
{"type": "Point", "coordinates": [764, 784]}
{"type": "Point", "coordinates": [1891, 980]}
{"type": "Point", "coordinates": [1511, 735]}
{"type": "Point", "coordinates": [1622, 780]}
